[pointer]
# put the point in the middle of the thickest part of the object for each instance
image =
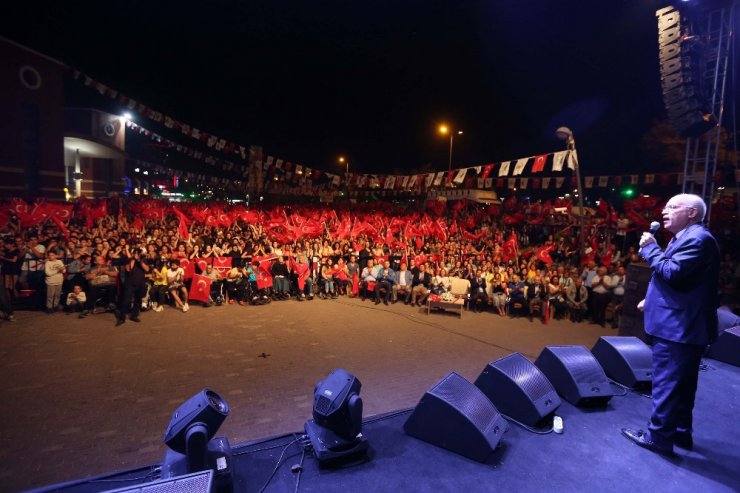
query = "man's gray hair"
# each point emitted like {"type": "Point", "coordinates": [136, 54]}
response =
{"type": "Point", "coordinates": [694, 201]}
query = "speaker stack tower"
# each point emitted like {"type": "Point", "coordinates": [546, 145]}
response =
{"type": "Point", "coordinates": [682, 61]}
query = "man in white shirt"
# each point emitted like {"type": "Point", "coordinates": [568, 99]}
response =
{"type": "Point", "coordinates": [601, 289]}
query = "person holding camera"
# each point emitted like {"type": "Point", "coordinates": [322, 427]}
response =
{"type": "Point", "coordinates": [135, 269]}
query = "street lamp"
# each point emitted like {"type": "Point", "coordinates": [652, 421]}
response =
{"type": "Point", "coordinates": [564, 133]}
{"type": "Point", "coordinates": [345, 162]}
{"type": "Point", "coordinates": [444, 130]}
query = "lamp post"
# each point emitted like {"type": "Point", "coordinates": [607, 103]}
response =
{"type": "Point", "coordinates": [345, 162]}
{"type": "Point", "coordinates": [444, 130]}
{"type": "Point", "coordinates": [564, 133]}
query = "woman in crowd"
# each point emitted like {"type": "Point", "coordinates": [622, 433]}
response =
{"type": "Point", "coordinates": [176, 285]}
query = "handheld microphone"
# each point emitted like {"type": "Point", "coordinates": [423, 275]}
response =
{"type": "Point", "coordinates": [654, 227]}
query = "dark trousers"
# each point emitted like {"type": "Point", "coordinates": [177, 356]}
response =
{"type": "Point", "coordinates": [383, 285]}
{"type": "Point", "coordinates": [675, 376]}
{"type": "Point", "coordinates": [600, 301]}
{"type": "Point", "coordinates": [5, 303]}
{"type": "Point", "coordinates": [105, 292]}
{"type": "Point", "coordinates": [130, 300]}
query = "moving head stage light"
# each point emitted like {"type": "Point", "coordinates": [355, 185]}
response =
{"type": "Point", "coordinates": [336, 429]}
{"type": "Point", "coordinates": [190, 439]}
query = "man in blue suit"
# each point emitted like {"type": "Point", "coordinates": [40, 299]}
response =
{"type": "Point", "coordinates": [681, 316]}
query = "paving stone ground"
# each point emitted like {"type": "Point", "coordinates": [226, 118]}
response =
{"type": "Point", "coordinates": [82, 397]}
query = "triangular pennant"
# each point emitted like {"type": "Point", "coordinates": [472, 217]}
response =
{"type": "Point", "coordinates": [519, 167]}
{"type": "Point", "coordinates": [603, 181]}
{"type": "Point", "coordinates": [557, 160]}
{"type": "Point", "coordinates": [504, 169]}
{"type": "Point", "coordinates": [588, 182]}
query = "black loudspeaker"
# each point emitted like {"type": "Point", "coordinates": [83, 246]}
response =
{"type": "Point", "coordinates": [727, 347]}
{"type": "Point", "coordinates": [455, 415]}
{"type": "Point", "coordinates": [576, 375]}
{"type": "Point", "coordinates": [199, 482]}
{"type": "Point", "coordinates": [518, 389]}
{"type": "Point", "coordinates": [682, 59]}
{"type": "Point", "coordinates": [626, 360]}
{"type": "Point", "coordinates": [632, 321]}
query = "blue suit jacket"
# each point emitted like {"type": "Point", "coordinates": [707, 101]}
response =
{"type": "Point", "coordinates": [681, 301]}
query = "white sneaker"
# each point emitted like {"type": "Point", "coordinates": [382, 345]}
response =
{"type": "Point", "coordinates": [158, 308]}
{"type": "Point", "coordinates": [185, 307]}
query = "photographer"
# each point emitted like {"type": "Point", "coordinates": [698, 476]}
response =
{"type": "Point", "coordinates": [134, 285]}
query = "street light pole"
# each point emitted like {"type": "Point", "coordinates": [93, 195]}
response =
{"type": "Point", "coordinates": [444, 129]}
{"type": "Point", "coordinates": [566, 134]}
{"type": "Point", "coordinates": [449, 164]}
{"type": "Point", "coordinates": [344, 161]}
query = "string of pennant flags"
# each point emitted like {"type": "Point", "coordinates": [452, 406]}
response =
{"type": "Point", "coordinates": [264, 173]}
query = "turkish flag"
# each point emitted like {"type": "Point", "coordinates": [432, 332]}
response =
{"type": "Point", "coordinates": [486, 171]}
{"type": "Point", "coordinates": [202, 263]}
{"type": "Point", "coordinates": [188, 267]}
{"type": "Point", "coordinates": [200, 288]}
{"type": "Point", "coordinates": [543, 254]}
{"type": "Point", "coordinates": [539, 163]}
{"type": "Point", "coordinates": [222, 264]}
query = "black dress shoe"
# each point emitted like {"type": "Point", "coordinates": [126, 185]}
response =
{"type": "Point", "coordinates": [135, 319]}
{"type": "Point", "coordinates": [385, 302]}
{"type": "Point", "coordinates": [640, 438]}
{"type": "Point", "coordinates": [120, 321]}
{"type": "Point", "coordinates": [377, 302]}
{"type": "Point", "coordinates": [684, 441]}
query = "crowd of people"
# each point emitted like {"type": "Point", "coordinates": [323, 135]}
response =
{"type": "Point", "coordinates": [125, 258]}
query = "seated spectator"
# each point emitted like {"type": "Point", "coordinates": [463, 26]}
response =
{"type": "Point", "coordinates": [302, 277]}
{"type": "Point", "coordinates": [557, 298]}
{"type": "Point", "coordinates": [76, 300]}
{"type": "Point", "coordinates": [366, 276]}
{"type": "Point", "coordinates": [216, 292]}
{"type": "Point", "coordinates": [537, 294]}
{"type": "Point", "coordinates": [478, 294]}
{"type": "Point", "coordinates": [233, 281]}
{"type": "Point", "coordinates": [385, 278]}
{"type": "Point", "coordinates": [577, 296]}
{"type": "Point", "coordinates": [159, 286]}
{"type": "Point", "coordinates": [280, 278]}
{"type": "Point", "coordinates": [176, 285]}
{"type": "Point", "coordinates": [442, 282]}
{"type": "Point", "coordinates": [403, 283]}
{"type": "Point", "coordinates": [420, 286]}
{"type": "Point", "coordinates": [327, 279]}
{"type": "Point", "coordinates": [102, 281]}
{"type": "Point", "coordinates": [498, 294]}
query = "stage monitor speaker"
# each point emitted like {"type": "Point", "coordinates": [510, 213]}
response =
{"type": "Point", "coordinates": [197, 482]}
{"type": "Point", "coordinates": [626, 360]}
{"type": "Point", "coordinates": [576, 375]}
{"type": "Point", "coordinates": [631, 321]}
{"type": "Point", "coordinates": [455, 415]}
{"type": "Point", "coordinates": [518, 389]}
{"type": "Point", "coordinates": [727, 347]}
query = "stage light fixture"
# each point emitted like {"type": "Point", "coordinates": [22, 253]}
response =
{"type": "Point", "coordinates": [190, 435]}
{"type": "Point", "coordinates": [336, 428]}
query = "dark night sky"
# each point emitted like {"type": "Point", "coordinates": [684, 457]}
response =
{"type": "Point", "coordinates": [371, 80]}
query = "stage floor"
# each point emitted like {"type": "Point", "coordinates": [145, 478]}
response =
{"type": "Point", "coordinates": [590, 455]}
{"type": "Point", "coordinates": [84, 397]}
